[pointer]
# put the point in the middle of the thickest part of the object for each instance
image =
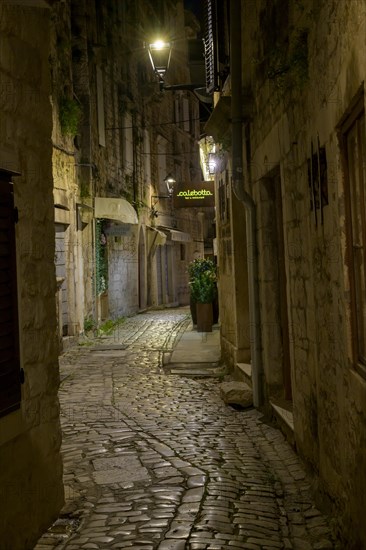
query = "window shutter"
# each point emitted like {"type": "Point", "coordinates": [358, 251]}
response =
{"type": "Point", "coordinates": [176, 110]}
{"type": "Point", "coordinates": [186, 119]}
{"type": "Point", "coordinates": [210, 43]}
{"type": "Point", "coordinates": [128, 143]}
{"type": "Point", "coordinates": [100, 107]}
{"type": "Point", "coordinates": [147, 157]}
{"type": "Point", "coordinates": [9, 332]}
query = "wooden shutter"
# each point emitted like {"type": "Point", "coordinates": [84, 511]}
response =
{"type": "Point", "coordinates": [9, 332]}
{"type": "Point", "coordinates": [210, 45]}
{"type": "Point", "coordinates": [100, 107]}
{"type": "Point", "coordinates": [216, 43]}
{"type": "Point", "coordinates": [186, 117]}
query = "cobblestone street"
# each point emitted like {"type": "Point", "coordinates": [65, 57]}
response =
{"type": "Point", "coordinates": [157, 461]}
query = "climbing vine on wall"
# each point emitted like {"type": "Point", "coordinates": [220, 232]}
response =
{"type": "Point", "coordinates": [290, 66]}
{"type": "Point", "coordinates": [70, 114]}
{"type": "Point", "coordinates": [101, 258]}
{"type": "Point", "coordinates": [283, 49]}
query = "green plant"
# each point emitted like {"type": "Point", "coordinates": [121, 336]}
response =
{"type": "Point", "coordinates": [291, 66]}
{"type": "Point", "coordinates": [200, 265]}
{"type": "Point", "coordinates": [139, 205]}
{"type": "Point", "coordinates": [84, 190]}
{"type": "Point", "coordinates": [70, 115]}
{"type": "Point", "coordinates": [203, 280]}
{"type": "Point", "coordinates": [89, 324]}
{"type": "Point", "coordinates": [101, 258]}
{"type": "Point", "coordinates": [110, 325]}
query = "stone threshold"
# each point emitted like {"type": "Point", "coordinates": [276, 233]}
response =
{"type": "Point", "coordinates": [284, 412]}
{"type": "Point", "coordinates": [200, 370]}
{"type": "Point", "coordinates": [283, 417]}
{"type": "Point", "coordinates": [243, 372]}
{"type": "Point", "coordinates": [107, 347]}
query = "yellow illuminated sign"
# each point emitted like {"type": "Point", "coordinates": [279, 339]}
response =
{"type": "Point", "coordinates": [200, 194]}
{"type": "Point", "coordinates": [194, 194]}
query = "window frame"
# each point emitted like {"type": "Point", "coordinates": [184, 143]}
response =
{"type": "Point", "coordinates": [351, 121]}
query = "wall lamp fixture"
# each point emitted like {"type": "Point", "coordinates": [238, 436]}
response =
{"type": "Point", "coordinates": [212, 163]}
{"type": "Point", "coordinates": [160, 54]}
{"type": "Point", "coordinates": [169, 182]}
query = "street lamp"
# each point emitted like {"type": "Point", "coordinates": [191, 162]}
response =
{"type": "Point", "coordinates": [169, 181]}
{"type": "Point", "coordinates": [159, 53]}
{"type": "Point", "coordinates": [212, 164]}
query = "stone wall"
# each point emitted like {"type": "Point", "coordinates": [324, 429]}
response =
{"type": "Point", "coordinates": [123, 273]}
{"type": "Point", "coordinates": [232, 273]}
{"type": "Point", "coordinates": [100, 61]}
{"type": "Point", "coordinates": [30, 438]}
{"type": "Point", "coordinates": [299, 99]}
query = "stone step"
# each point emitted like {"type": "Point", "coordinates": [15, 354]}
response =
{"type": "Point", "coordinates": [243, 373]}
{"type": "Point", "coordinates": [108, 347]}
{"type": "Point", "coordinates": [195, 369]}
{"type": "Point", "coordinates": [283, 417]}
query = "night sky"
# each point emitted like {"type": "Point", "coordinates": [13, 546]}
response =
{"type": "Point", "coordinates": [195, 6]}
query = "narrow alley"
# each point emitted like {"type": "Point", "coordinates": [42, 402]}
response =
{"type": "Point", "coordinates": [153, 460]}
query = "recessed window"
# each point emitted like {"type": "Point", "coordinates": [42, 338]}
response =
{"type": "Point", "coordinates": [354, 153]}
{"type": "Point", "coordinates": [182, 252]}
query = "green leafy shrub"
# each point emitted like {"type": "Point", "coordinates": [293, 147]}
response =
{"type": "Point", "coordinates": [89, 324]}
{"type": "Point", "coordinates": [101, 258]}
{"type": "Point", "coordinates": [110, 325]}
{"type": "Point", "coordinates": [70, 115]}
{"type": "Point", "coordinates": [203, 280]}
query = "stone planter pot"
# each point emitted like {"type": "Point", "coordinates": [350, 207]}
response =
{"type": "Point", "coordinates": [193, 309]}
{"type": "Point", "coordinates": [204, 317]}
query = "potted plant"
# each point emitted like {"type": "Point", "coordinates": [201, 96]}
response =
{"type": "Point", "coordinates": [203, 287]}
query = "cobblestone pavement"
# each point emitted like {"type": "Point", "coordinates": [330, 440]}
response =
{"type": "Point", "coordinates": [157, 461]}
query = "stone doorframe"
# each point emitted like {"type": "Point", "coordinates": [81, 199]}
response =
{"type": "Point", "coordinates": [275, 325]}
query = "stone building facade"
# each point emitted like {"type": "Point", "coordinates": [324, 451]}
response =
{"type": "Point", "coordinates": [31, 489]}
{"type": "Point", "coordinates": [291, 124]}
{"type": "Point", "coordinates": [121, 244]}
{"type": "Point", "coordinates": [86, 140]}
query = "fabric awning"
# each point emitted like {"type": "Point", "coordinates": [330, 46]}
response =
{"type": "Point", "coordinates": [157, 237]}
{"type": "Point", "coordinates": [176, 235]}
{"type": "Point", "coordinates": [219, 124]}
{"type": "Point", "coordinates": [115, 209]}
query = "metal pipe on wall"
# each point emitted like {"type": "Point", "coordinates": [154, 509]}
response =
{"type": "Point", "coordinates": [245, 198]}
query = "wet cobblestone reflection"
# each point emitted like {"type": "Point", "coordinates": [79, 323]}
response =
{"type": "Point", "coordinates": [157, 461]}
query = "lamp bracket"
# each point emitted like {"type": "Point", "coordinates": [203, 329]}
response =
{"type": "Point", "coordinates": [157, 198]}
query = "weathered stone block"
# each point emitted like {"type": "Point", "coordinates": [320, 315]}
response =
{"type": "Point", "coordinates": [236, 393]}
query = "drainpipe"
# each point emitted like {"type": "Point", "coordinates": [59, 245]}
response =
{"type": "Point", "coordinates": [245, 198]}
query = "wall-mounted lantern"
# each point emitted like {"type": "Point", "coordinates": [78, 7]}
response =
{"type": "Point", "coordinates": [159, 53]}
{"type": "Point", "coordinates": [212, 163]}
{"type": "Point", "coordinates": [169, 181]}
